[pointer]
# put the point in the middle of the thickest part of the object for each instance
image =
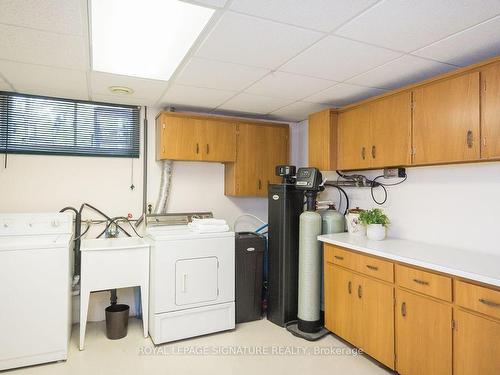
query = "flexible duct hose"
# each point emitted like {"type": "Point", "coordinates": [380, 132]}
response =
{"type": "Point", "coordinates": [166, 179]}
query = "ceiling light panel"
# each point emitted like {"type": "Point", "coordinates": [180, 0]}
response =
{"type": "Point", "coordinates": [145, 39]}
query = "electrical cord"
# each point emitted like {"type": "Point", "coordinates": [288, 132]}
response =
{"type": "Point", "coordinates": [114, 220]}
{"type": "Point", "coordinates": [375, 184]}
{"type": "Point", "coordinates": [343, 192]}
{"type": "Point", "coordinates": [103, 215]}
{"type": "Point", "coordinates": [84, 232]}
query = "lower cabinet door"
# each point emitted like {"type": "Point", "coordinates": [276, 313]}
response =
{"type": "Point", "coordinates": [377, 320]}
{"type": "Point", "coordinates": [423, 335]}
{"type": "Point", "coordinates": [476, 345]}
{"type": "Point", "coordinates": [343, 310]}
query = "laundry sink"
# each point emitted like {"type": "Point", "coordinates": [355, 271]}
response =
{"type": "Point", "coordinates": [113, 263]}
{"type": "Point", "coordinates": [121, 243]}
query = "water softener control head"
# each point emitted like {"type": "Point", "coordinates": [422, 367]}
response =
{"type": "Point", "coordinates": [309, 179]}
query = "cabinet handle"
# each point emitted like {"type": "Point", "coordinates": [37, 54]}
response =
{"type": "Point", "coordinates": [260, 184]}
{"type": "Point", "coordinates": [349, 287]}
{"type": "Point", "coordinates": [338, 257]}
{"type": "Point", "coordinates": [374, 151]}
{"type": "Point", "coordinates": [183, 286]}
{"type": "Point", "coordinates": [374, 268]}
{"type": "Point", "coordinates": [363, 153]}
{"type": "Point", "coordinates": [421, 282]}
{"type": "Point", "coordinates": [470, 138]}
{"type": "Point", "coordinates": [489, 303]}
{"type": "Point", "coordinates": [360, 291]}
{"type": "Point", "coordinates": [197, 148]}
{"type": "Point", "coordinates": [403, 309]}
{"type": "Point", "coordinates": [208, 149]}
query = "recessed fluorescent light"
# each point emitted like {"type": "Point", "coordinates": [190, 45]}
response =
{"type": "Point", "coordinates": [144, 38]}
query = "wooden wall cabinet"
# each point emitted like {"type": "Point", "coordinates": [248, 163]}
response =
{"type": "Point", "coordinates": [251, 150]}
{"type": "Point", "coordinates": [322, 140]}
{"type": "Point", "coordinates": [261, 147]}
{"type": "Point", "coordinates": [490, 112]}
{"type": "Point", "coordinates": [376, 135]}
{"type": "Point", "coordinates": [354, 139]}
{"type": "Point", "coordinates": [195, 138]}
{"type": "Point", "coordinates": [446, 121]}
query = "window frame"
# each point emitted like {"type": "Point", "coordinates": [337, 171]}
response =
{"type": "Point", "coordinates": [132, 152]}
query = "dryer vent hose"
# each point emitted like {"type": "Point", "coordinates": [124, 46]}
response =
{"type": "Point", "coordinates": [166, 180]}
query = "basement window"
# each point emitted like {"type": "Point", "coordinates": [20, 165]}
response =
{"type": "Point", "coordinates": [51, 126]}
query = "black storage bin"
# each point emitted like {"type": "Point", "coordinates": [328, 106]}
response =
{"type": "Point", "coordinates": [249, 271]}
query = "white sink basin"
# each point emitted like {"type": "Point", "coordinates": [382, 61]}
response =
{"type": "Point", "coordinates": [120, 243]}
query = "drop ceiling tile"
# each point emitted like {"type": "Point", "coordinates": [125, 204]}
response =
{"type": "Point", "coordinates": [44, 48]}
{"type": "Point", "coordinates": [208, 3]}
{"type": "Point", "coordinates": [343, 94]}
{"type": "Point", "coordinates": [409, 25]}
{"type": "Point", "coordinates": [147, 91]}
{"type": "Point", "coordinates": [59, 16]}
{"type": "Point", "coordinates": [121, 99]}
{"type": "Point", "coordinates": [250, 103]}
{"type": "Point", "coordinates": [322, 15]}
{"type": "Point", "coordinates": [247, 40]}
{"type": "Point", "coordinates": [482, 41]}
{"type": "Point", "coordinates": [45, 80]}
{"type": "Point", "coordinates": [400, 72]}
{"type": "Point", "coordinates": [195, 96]}
{"type": "Point", "coordinates": [288, 86]}
{"type": "Point", "coordinates": [218, 75]}
{"type": "Point", "coordinates": [297, 111]}
{"type": "Point", "coordinates": [338, 59]}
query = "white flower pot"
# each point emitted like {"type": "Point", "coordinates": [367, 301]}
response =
{"type": "Point", "coordinates": [375, 232]}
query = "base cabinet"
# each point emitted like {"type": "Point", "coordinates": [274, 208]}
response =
{"type": "Point", "coordinates": [423, 335]}
{"type": "Point", "coordinates": [360, 310]}
{"type": "Point", "coordinates": [476, 344]}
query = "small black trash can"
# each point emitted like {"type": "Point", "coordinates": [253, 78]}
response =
{"type": "Point", "coordinates": [117, 321]}
{"type": "Point", "coordinates": [249, 269]}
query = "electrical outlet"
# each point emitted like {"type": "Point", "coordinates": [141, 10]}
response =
{"type": "Point", "coordinates": [390, 172]}
{"type": "Point", "coordinates": [394, 172]}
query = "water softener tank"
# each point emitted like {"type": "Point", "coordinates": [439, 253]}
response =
{"type": "Point", "coordinates": [309, 272]}
{"type": "Point", "coordinates": [332, 221]}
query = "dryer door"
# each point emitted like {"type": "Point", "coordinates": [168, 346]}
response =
{"type": "Point", "coordinates": [196, 280]}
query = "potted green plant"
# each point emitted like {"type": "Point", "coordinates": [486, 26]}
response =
{"type": "Point", "coordinates": [376, 223]}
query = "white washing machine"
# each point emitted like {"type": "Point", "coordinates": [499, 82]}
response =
{"type": "Point", "coordinates": [35, 288]}
{"type": "Point", "coordinates": [191, 281]}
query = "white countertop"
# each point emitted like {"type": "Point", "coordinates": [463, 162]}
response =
{"type": "Point", "coordinates": [472, 265]}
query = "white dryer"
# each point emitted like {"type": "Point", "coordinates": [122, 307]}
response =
{"type": "Point", "coordinates": [191, 282]}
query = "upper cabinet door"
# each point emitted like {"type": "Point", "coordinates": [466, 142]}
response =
{"type": "Point", "coordinates": [446, 121]}
{"type": "Point", "coordinates": [354, 139]}
{"type": "Point", "coordinates": [490, 112]}
{"type": "Point", "coordinates": [322, 134]}
{"type": "Point", "coordinates": [218, 141]}
{"type": "Point", "coordinates": [390, 121]}
{"type": "Point", "coordinates": [180, 138]}
{"type": "Point", "coordinates": [276, 152]}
